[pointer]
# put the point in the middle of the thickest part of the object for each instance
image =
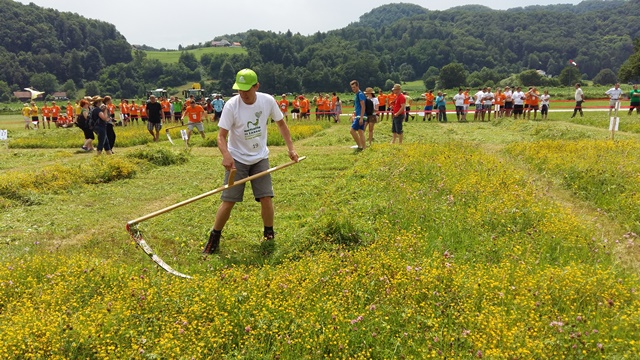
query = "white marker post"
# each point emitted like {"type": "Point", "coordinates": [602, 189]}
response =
{"type": "Point", "coordinates": [4, 137]}
{"type": "Point", "coordinates": [614, 121]}
{"type": "Point", "coordinates": [185, 137]}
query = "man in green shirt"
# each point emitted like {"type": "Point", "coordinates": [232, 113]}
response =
{"type": "Point", "coordinates": [177, 110]}
{"type": "Point", "coordinates": [634, 97]}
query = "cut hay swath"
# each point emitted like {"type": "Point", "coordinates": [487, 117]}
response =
{"type": "Point", "coordinates": [136, 235]}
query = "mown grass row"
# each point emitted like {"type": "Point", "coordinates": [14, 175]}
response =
{"type": "Point", "coordinates": [135, 135]}
{"type": "Point", "coordinates": [420, 251]}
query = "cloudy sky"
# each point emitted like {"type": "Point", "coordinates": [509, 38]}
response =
{"type": "Point", "coordinates": [169, 23]}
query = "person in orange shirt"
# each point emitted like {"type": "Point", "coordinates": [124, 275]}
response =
{"type": "Point", "coordinates": [327, 107]}
{"type": "Point", "coordinates": [304, 107]}
{"type": "Point", "coordinates": [382, 103]}
{"type": "Point", "coordinates": [467, 101]}
{"type": "Point", "coordinates": [527, 102]}
{"type": "Point", "coordinates": [428, 105]}
{"type": "Point", "coordinates": [70, 110]}
{"type": "Point", "coordinates": [166, 109]}
{"type": "Point", "coordinates": [534, 100]}
{"type": "Point", "coordinates": [391, 99]}
{"type": "Point", "coordinates": [55, 113]}
{"type": "Point", "coordinates": [498, 103]}
{"type": "Point", "coordinates": [134, 111]}
{"type": "Point", "coordinates": [194, 113]}
{"type": "Point", "coordinates": [295, 112]}
{"type": "Point", "coordinates": [46, 115]}
{"type": "Point", "coordinates": [319, 106]}
{"type": "Point", "coordinates": [124, 111]}
{"type": "Point", "coordinates": [143, 112]}
{"type": "Point", "coordinates": [284, 106]}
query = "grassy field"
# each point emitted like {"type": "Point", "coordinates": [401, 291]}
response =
{"type": "Point", "coordinates": [499, 240]}
{"type": "Point", "coordinates": [172, 56]}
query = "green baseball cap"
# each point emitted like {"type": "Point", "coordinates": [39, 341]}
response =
{"type": "Point", "coordinates": [245, 79]}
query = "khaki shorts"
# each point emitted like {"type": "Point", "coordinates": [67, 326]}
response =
{"type": "Point", "coordinates": [372, 119]}
{"type": "Point", "coordinates": [262, 186]}
{"type": "Point", "coordinates": [197, 125]}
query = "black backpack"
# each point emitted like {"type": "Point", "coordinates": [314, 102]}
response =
{"type": "Point", "coordinates": [94, 117]}
{"type": "Point", "coordinates": [368, 107]}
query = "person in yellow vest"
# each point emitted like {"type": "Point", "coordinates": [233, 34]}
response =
{"type": "Point", "coordinates": [34, 115]}
{"type": "Point", "coordinates": [26, 114]}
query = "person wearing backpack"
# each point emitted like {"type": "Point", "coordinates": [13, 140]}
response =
{"type": "Point", "coordinates": [370, 106]}
{"type": "Point", "coordinates": [358, 117]}
{"type": "Point", "coordinates": [83, 123]}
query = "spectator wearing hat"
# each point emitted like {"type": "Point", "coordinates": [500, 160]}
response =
{"type": "Point", "coordinates": [26, 114]}
{"type": "Point", "coordinates": [372, 118]}
{"type": "Point", "coordinates": [100, 118]}
{"type": "Point", "coordinates": [242, 140]}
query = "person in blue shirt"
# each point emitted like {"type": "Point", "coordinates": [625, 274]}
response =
{"type": "Point", "coordinates": [441, 105]}
{"type": "Point", "coordinates": [358, 117]}
{"type": "Point", "coordinates": [218, 104]}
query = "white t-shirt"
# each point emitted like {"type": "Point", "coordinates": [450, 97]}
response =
{"type": "Point", "coordinates": [508, 96]}
{"type": "Point", "coordinates": [545, 99]}
{"type": "Point", "coordinates": [247, 126]}
{"type": "Point", "coordinates": [376, 104]}
{"type": "Point", "coordinates": [614, 93]}
{"type": "Point", "coordinates": [518, 98]}
{"type": "Point", "coordinates": [578, 94]}
{"type": "Point", "coordinates": [459, 99]}
{"type": "Point", "coordinates": [488, 98]}
{"type": "Point", "coordinates": [479, 96]}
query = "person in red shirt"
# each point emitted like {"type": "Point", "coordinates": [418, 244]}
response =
{"type": "Point", "coordinates": [55, 113]}
{"type": "Point", "coordinates": [195, 113]}
{"type": "Point", "coordinates": [398, 114]}
{"type": "Point", "coordinates": [284, 106]}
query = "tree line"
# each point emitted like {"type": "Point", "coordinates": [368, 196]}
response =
{"type": "Point", "coordinates": [393, 43]}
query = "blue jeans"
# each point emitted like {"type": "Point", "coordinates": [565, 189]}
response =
{"type": "Point", "coordinates": [103, 140]}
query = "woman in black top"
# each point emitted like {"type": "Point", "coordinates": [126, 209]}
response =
{"type": "Point", "coordinates": [111, 134]}
{"type": "Point", "coordinates": [100, 118]}
{"type": "Point", "coordinates": [83, 124]}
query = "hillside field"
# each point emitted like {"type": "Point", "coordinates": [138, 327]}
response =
{"type": "Point", "coordinates": [497, 240]}
{"type": "Point", "coordinates": [172, 56]}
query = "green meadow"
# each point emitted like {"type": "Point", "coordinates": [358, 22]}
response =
{"type": "Point", "coordinates": [508, 239]}
{"type": "Point", "coordinates": [172, 56]}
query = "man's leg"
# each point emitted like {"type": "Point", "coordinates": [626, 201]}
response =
{"type": "Point", "coordinates": [266, 206]}
{"type": "Point", "coordinates": [355, 136]}
{"type": "Point", "coordinates": [224, 213]}
{"type": "Point", "coordinates": [363, 141]}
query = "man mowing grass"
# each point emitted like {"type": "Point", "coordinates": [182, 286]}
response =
{"type": "Point", "coordinates": [244, 121]}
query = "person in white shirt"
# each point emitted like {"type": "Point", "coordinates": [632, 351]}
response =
{"type": "Point", "coordinates": [458, 99]}
{"type": "Point", "coordinates": [478, 101]}
{"type": "Point", "coordinates": [242, 140]}
{"type": "Point", "coordinates": [615, 93]}
{"type": "Point", "coordinates": [487, 103]}
{"type": "Point", "coordinates": [508, 101]}
{"type": "Point", "coordinates": [518, 103]}
{"type": "Point", "coordinates": [579, 100]}
{"type": "Point", "coordinates": [545, 98]}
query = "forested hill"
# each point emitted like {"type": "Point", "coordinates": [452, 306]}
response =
{"type": "Point", "coordinates": [596, 34]}
{"type": "Point", "coordinates": [406, 42]}
{"type": "Point", "coordinates": [39, 40]}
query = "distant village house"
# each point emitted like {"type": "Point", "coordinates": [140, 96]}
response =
{"type": "Point", "coordinates": [25, 96]}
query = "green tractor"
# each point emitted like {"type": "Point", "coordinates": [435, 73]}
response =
{"type": "Point", "coordinates": [196, 91]}
{"type": "Point", "coordinates": [158, 93]}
